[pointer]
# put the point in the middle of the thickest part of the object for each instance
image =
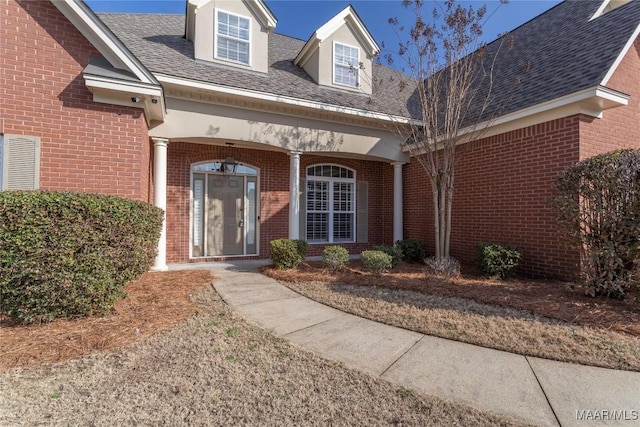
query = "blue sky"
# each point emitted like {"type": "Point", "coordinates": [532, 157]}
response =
{"type": "Point", "coordinates": [299, 18]}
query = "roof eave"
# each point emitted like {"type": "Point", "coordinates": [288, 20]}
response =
{"type": "Point", "coordinates": [148, 97]}
{"type": "Point", "coordinates": [286, 100]}
{"type": "Point", "coordinates": [592, 101]}
{"type": "Point", "coordinates": [92, 28]}
{"type": "Point", "coordinates": [621, 55]}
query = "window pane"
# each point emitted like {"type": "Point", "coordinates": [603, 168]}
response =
{"type": "Point", "coordinates": [233, 50]}
{"type": "Point", "coordinates": [342, 226]}
{"type": "Point", "coordinates": [343, 196]}
{"type": "Point", "coordinates": [318, 226]}
{"type": "Point", "coordinates": [346, 62]}
{"type": "Point", "coordinates": [233, 38]}
{"type": "Point", "coordinates": [317, 195]}
{"type": "Point", "coordinates": [233, 26]}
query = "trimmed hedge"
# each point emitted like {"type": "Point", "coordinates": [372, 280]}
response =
{"type": "Point", "coordinates": [335, 257]}
{"type": "Point", "coordinates": [412, 250]}
{"type": "Point", "coordinates": [496, 260]}
{"type": "Point", "coordinates": [393, 251]}
{"type": "Point", "coordinates": [288, 253]}
{"type": "Point", "coordinates": [376, 262]}
{"type": "Point", "coordinates": [66, 255]}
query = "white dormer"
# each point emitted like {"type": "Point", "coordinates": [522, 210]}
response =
{"type": "Point", "coordinates": [231, 32]}
{"type": "Point", "coordinates": [341, 53]}
{"type": "Point", "coordinates": [608, 6]}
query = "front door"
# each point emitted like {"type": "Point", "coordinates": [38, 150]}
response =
{"type": "Point", "coordinates": [224, 212]}
{"type": "Point", "coordinates": [225, 215]}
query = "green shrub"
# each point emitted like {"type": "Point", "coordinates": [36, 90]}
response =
{"type": "Point", "coordinates": [285, 253]}
{"type": "Point", "coordinates": [66, 255]}
{"type": "Point", "coordinates": [597, 202]}
{"type": "Point", "coordinates": [335, 257]}
{"type": "Point", "coordinates": [301, 247]}
{"type": "Point", "coordinates": [412, 250]}
{"type": "Point", "coordinates": [376, 262]}
{"type": "Point", "coordinates": [393, 251]}
{"type": "Point", "coordinates": [496, 260]}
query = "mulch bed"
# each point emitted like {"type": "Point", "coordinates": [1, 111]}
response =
{"type": "Point", "coordinates": [557, 300]}
{"type": "Point", "coordinates": [155, 302]}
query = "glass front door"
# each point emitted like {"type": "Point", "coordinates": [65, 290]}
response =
{"type": "Point", "coordinates": [224, 211]}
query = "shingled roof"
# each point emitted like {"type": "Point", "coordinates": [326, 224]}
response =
{"type": "Point", "coordinates": [557, 53]}
{"type": "Point", "coordinates": [157, 41]}
{"type": "Point", "coordinates": [560, 52]}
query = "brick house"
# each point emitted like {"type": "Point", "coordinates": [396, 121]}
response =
{"type": "Point", "coordinates": [244, 135]}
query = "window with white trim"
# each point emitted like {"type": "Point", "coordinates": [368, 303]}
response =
{"type": "Point", "coordinates": [346, 65]}
{"type": "Point", "coordinates": [330, 204]}
{"type": "Point", "coordinates": [233, 37]}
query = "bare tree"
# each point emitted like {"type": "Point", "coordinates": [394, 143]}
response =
{"type": "Point", "coordinates": [453, 74]}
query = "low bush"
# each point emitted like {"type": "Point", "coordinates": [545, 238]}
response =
{"type": "Point", "coordinates": [66, 255]}
{"type": "Point", "coordinates": [393, 251]}
{"type": "Point", "coordinates": [376, 262]}
{"type": "Point", "coordinates": [286, 253]}
{"type": "Point", "coordinates": [597, 202]}
{"type": "Point", "coordinates": [335, 257]}
{"type": "Point", "coordinates": [444, 267]}
{"type": "Point", "coordinates": [412, 250]}
{"type": "Point", "coordinates": [496, 260]}
{"type": "Point", "coordinates": [302, 246]}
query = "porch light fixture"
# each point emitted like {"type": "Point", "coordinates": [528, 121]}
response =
{"type": "Point", "coordinates": [135, 99]}
{"type": "Point", "coordinates": [229, 166]}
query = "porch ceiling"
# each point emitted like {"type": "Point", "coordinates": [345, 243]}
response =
{"type": "Point", "coordinates": [200, 122]}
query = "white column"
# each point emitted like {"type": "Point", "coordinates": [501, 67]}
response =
{"type": "Point", "coordinates": [397, 201]}
{"type": "Point", "coordinates": [294, 195]}
{"type": "Point", "coordinates": [160, 197]}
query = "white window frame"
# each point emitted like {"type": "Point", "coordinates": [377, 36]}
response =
{"type": "Point", "coordinates": [216, 37]}
{"type": "Point", "coordinates": [331, 212]}
{"type": "Point", "coordinates": [355, 67]}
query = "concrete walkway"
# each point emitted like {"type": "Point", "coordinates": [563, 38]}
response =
{"type": "Point", "coordinates": [530, 389]}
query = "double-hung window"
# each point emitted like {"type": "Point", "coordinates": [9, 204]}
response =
{"type": "Point", "coordinates": [330, 204]}
{"type": "Point", "coordinates": [346, 64]}
{"type": "Point", "coordinates": [233, 37]}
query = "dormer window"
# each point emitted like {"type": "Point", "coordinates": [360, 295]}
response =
{"type": "Point", "coordinates": [346, 65]}
{"type": "Point", "coordinates": [233, 41]}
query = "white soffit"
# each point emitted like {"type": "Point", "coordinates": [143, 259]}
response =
{"type": "Point", "coordinates": [102, 38]}
{"type": "Point", "coordinates": [591, 101]}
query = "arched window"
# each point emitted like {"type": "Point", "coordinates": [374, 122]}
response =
{"type": "Point", "coordinates": [330, 204]}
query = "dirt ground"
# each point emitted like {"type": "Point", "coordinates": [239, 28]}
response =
{"type": "Point", "coordinates": [210, 368]}
{"type": "Point", "coordinates": [155, 302]}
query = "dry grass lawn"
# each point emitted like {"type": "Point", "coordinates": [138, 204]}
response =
{"type": "Point", "coordinates": [537, 318]}
{"type": "Point", "coordinates": [180, 356]}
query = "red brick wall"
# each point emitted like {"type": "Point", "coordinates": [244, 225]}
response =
{"type": "Point", "coordinates": [619, 127]}
{"type": "Point", "coordinates": [274, 194]}
{"type": "Point", "coordinates": [502, 187]}
{"type": "Point", "coordinates": [85, 146]}
{"type": "Point", "coordinates": [503, 182]}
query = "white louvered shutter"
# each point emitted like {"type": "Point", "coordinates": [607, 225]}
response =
{"type": "Point", "coordinates": [21, 162]}
{"type": "Point", "coordinates": [362, 220]}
